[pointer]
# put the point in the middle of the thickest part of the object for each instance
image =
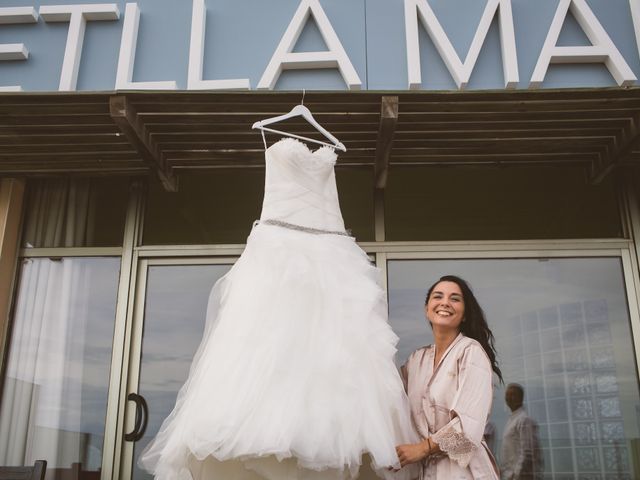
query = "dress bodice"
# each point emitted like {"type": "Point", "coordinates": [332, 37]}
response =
{"type": "Point", "coordinates": [300, 186]}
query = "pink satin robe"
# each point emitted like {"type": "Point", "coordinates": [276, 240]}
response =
{"type": "Point", "coordinates": [451, 405]}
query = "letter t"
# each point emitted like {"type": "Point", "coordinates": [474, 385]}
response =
{"type": "Point", "coordinates": [77, 16]}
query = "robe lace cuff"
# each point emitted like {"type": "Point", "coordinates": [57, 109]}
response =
{"type": "Point", "coordinates": [457, 447]}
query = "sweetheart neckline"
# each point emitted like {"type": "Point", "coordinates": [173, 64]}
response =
{"type": "Point", "coordinates": [304, 145]}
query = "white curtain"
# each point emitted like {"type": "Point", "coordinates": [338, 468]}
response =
{"type": "Point", "coordinates": [41, 407]}
{"type": "Point", "coordinates": [60, 213]}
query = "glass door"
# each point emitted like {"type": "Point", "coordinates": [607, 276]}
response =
{"type": "Point", "coordinates": [168, 322]}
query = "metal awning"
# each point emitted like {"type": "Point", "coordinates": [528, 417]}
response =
{"type": "Point", "coordinates": [167, 133]}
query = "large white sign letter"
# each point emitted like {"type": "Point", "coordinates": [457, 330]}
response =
{"type": "Point", "coordinates": [127, 56]}
{"type": "Point", "coordinates": [196, 56]}
{"type": "Point", "coordinates": [461, 72]}
{"type": "Point", "coordinates": [15, 51]}
{"type": "Point", "coordinates": [634, 5]}
{"type": "Point", "coordinates": [602, 49]}
{"type": "Point", "coordinates": [77, 16]}
{"type": "Point", "coordinates": [284, 58]}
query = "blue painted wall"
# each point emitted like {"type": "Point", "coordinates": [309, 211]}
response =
{"type": "Point", "coordinates": [243, 34]}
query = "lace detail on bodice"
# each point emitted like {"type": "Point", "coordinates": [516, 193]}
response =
{"type": "Point", "coordinates": [458, 447]}
{"type": "Point", "coordinates": [300, 186]}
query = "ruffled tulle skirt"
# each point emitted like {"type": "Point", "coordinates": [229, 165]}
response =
{"type": "Point", "coordinates": [294, 378]}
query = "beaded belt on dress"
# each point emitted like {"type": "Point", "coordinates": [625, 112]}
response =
{"type": "Point", "coordinates": [300, 228]}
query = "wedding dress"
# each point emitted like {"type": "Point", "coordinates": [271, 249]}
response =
{"type": "Point", "coordinates": [294, 378]}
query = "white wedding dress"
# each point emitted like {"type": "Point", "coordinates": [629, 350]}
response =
{"type": "Point", "coordinates": [294, 378]}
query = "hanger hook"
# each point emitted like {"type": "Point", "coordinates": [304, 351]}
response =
{"type": "Point", "coordinates": [302, 101]}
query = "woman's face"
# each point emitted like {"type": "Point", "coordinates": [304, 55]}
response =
{"type": "Point", "coordinates": [445, 307]}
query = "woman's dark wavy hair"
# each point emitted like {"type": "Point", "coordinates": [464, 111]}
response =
{"type": "Point", "coordinates": [475, 324]}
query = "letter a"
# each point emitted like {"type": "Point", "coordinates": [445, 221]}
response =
{"type": "Point", "coordinates": [285, 59]}
{"type": "Point", "coordinates": [634, 5]}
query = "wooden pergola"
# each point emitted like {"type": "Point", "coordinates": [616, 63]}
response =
{"type": "Point", "coordinates": [166, 133]}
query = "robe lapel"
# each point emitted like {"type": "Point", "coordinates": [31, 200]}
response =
{"type": "Point", "coordinates": [436, 368]}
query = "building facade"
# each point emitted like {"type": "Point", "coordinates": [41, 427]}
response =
{"type": "Point", "coordinates": [495, 140]}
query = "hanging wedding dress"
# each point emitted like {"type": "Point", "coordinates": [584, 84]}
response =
{"type": "Point", "coordinates": [294, 378]}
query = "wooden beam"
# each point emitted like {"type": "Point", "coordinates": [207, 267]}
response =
{"type": "Point", "coordinates": [623, 147]}
{"type": "Point", "coordinates": [11, 204]}
{"type": "Point", "coordinates": [386, 132]}
{"type": "Point", "coordinates": [126, 117]}
{"type": "Point", "coordinates": [170, 132]}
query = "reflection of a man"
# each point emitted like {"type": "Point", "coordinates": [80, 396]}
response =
{"type": "Point", "coordinates": [521, 458]}
{"type": "Point", "coordinates": [490, 436]}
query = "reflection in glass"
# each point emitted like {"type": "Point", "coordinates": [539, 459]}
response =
{"type": "Point", "coordinates": [55, 389]}
{"type": "Point", "coordinates": [75, 212]}
{"type": "Point", "coordinates": [209, 207]}
{"type": "Point", "coordinates": [508, 203]}
{"type": "Point", "coordinates": [562, 331]}
{"type": "Point", "coordinates": [174, 318]}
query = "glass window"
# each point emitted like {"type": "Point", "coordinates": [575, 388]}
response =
{"type": "Point", "coordinates": [208, 208]}
{"type": "Point", "coordinates": [75, 212]}
{"type": "Point", "coordinates": [562, 332]}
{"type": "Point", "coordinates": [355, 189]}
{"type": "Point", "coordinates": [54, 396]}
{"type": "Point", "coordinates": [488, 203]}
{"type": "Point", "coordinates": [221, 206]}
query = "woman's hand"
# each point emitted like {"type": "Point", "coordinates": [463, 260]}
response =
{"type": "Point", "coordinates": [413, 452]}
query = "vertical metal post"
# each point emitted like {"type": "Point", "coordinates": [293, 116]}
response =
{"type": "Point", "coordinates": [384, 142]}
{"type": "Point", "coordinates": [120, 358]}
{"type": "Point", "coordinates": [630, 211]}
{"type": "Point", "coordinates": [379, 232]}
{"type": "Point", "coordinates": [378, 208]}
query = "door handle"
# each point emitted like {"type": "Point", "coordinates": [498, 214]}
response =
{"type": "Point", "coordinates": [142, 417]}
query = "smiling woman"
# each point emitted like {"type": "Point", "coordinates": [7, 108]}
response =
{"type": "Point", "coordinates": [456, 374]}
{"type": "Point", "coordinates": [445, 307]}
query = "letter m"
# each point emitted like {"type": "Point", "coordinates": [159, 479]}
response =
{"type": "Point", "coordinates": [460, 71]}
